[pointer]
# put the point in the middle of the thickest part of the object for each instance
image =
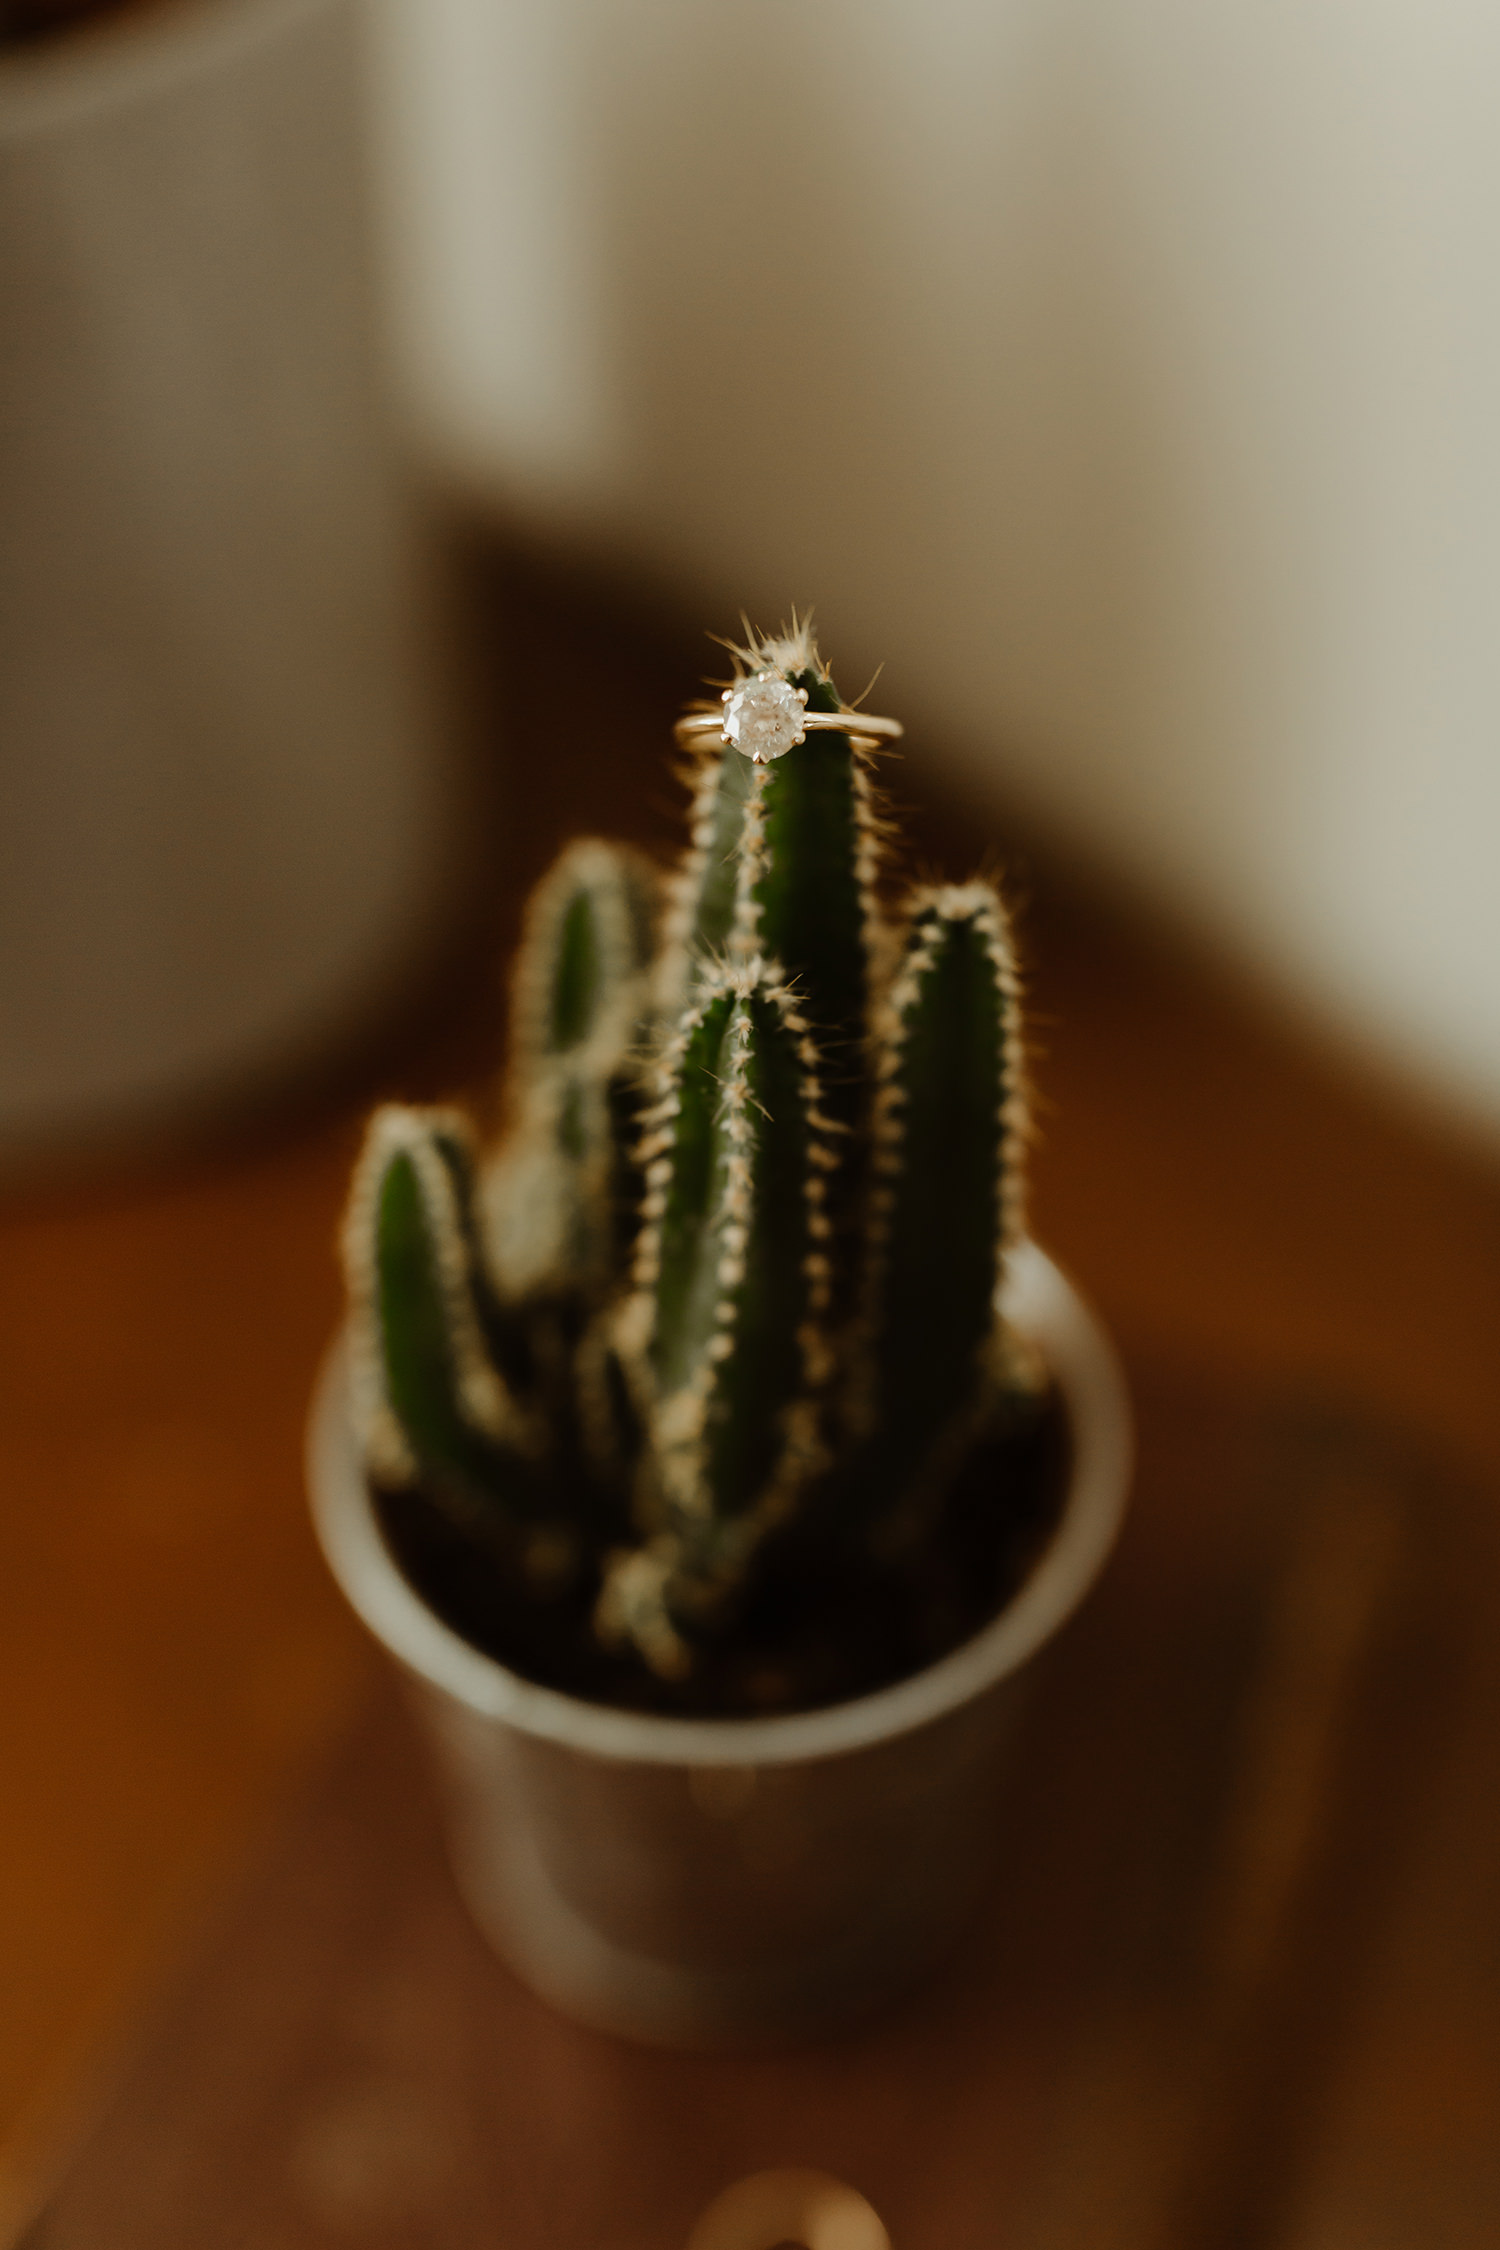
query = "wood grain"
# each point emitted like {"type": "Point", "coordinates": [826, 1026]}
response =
{"type": "Point", "coordinates": [1137, 2045]}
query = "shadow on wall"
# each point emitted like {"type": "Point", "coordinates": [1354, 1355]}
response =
{"type": "Point", "coordinates": [1120, 379]}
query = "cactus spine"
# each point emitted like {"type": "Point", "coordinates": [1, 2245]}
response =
{"type": "Point", "coordinates": [731, 1274]}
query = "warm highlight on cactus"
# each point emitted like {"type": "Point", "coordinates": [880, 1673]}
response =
{"type": "Point", "coordinates": [729, 1280]}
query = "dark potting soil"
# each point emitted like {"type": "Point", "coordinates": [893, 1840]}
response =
{"type": "Point", "coordinates": [817, 1628]}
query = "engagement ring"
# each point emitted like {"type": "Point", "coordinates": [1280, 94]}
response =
{"type": "Point", "coordinates": [765, 716]}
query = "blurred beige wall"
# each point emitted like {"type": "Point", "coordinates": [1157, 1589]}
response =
{"type": "Point", "coordinates": [1123, 375]}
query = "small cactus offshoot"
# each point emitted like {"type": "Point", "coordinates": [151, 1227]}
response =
{"type": "Point", "coordinates": [725, 1292]}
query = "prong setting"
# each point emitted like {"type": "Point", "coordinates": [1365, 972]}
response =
{"type": "Point", "coordinates": [763, 716]}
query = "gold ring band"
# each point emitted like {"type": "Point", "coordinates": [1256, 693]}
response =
{"type": "Point", "coordinates": [696, 724]}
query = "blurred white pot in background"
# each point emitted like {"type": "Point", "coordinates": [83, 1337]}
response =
{"type": "Point", "coordinates": [223, 812]}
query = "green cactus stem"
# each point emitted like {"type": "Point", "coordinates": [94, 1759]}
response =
{"type": "Point", "coordinates": [808, 862]}
{"type": "Point", "coordinates": [704, 892]}
{"type": "Point", "coordinates": [783, 868]}
{"type": "Point", "coordinates": [562, 1194]}
{"type": "Point", "coordinates": [432, 1406]}
{"type": "Point", "coordinates": [946, 1200]}
{"type": "Point", "coordinates": [731, 1282]}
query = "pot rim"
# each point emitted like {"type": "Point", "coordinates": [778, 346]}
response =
{"type": "Point", "coordinates": [1042, 1303]}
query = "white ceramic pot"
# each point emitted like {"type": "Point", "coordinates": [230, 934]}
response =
{"type": "Point", "coordinates": [225, 823]}
{"type": "Point", "coordinates": [705, 1882]}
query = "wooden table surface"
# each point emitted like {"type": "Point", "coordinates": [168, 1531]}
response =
{"type": "Point", "coordinates": [172, 1657]}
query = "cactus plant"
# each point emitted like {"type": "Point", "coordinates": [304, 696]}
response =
{"type": "Point", "coordinates": [717, 1314]}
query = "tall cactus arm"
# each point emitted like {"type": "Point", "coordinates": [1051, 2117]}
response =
{"type": "Point", "coordinates": [741, 1277]}
{"type": "Point", "coordinates": [676, 1267]}
{"type": "Point", "coordinates": [701, 915]}
{"type": "Point", "coordinates": [809, 859]}
{"type": "Point", "coordinates": [950, 1115]}
{"type": "Point", "coordinates": [732, 1282]}
{"type": "Point", "coordinates": [561, 1192]}
{"type": "Point", "coordinates": [588, 939]}
{"type": "Point", "coordinates": [431, 1405]}
{"type": "Point", "coordinates": [706, 909]}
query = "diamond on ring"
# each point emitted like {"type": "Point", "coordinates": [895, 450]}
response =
{"type": "Point", "coordinates": [763, 716]}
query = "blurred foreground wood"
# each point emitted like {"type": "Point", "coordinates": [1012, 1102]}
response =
{"type": "Point", "coordinates": [1224, 1797]}
{"type": "Point", "coordinates": [173, 1664]}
